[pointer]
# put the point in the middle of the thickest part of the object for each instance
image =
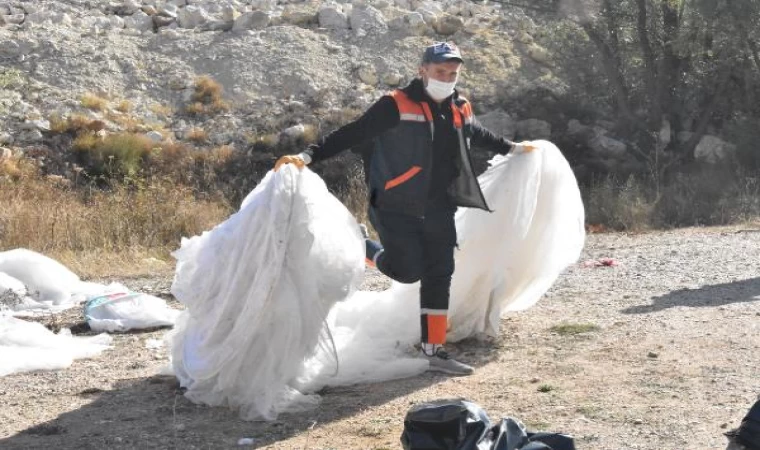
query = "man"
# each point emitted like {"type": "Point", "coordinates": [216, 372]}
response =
{"type": "Point", "coordinates": [419, 172]}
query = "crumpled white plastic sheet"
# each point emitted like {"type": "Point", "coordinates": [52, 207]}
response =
{"type": "Point", "coordinates": [32, 284]}
{"type": "Point", "coordinates": [27, 346]}
{"type": "Point", "coordinates": [257, 289]}
{"type": "Point", "coordinates": [120, 309]}
{"type": "Point", "coordinates": [247, 333]}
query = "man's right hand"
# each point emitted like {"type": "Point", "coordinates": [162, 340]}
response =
{"type": "Point", "coordinates": [297, 160]}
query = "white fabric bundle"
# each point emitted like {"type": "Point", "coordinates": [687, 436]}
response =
{"type": "Point", "coordinates": [120, 309]}
{"type": "Point", "coordinates": [27, 346]}
{"type": "Point", "coordinates": [258, 288]}
{"type": "Point", "coordinates": [48, 282]}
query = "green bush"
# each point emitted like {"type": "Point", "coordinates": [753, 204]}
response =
{"type": "Point", "coordinates": [113, 156]}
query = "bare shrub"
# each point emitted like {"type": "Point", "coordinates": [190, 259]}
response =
{"type": "Point", "coordinates": [94, 102]}
{"type": "Point", "coordinates": [207, 97]}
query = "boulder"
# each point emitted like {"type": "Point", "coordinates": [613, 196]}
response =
{"type": "Point", "coordinates": [448, 24]}
{"type": "Point", "coordinates": [367, 20]}
{"type": "Point", "coordinates": [192, 17]}
{"type": "Point", "coordinates": [713, 150]}
{"type": "Point", "coordinates": [606, 146]}
{"type": "Point", "coordinates": [332, 18]}
{"type": "Point", "coordinates": [252, 20]}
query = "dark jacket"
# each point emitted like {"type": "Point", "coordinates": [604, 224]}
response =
{"type": "Point", "coordinates": [419, 151]}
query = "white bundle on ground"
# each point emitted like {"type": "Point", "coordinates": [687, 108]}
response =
{"type": "Point", "coordinates": [49, 284]}
{"type": "Point", "coordinates": [120, 309]}
{"type": "Point", "coordinates": [506, 260]}
{"type": "Point", "coordinates": [257, 289]}
{"type": "Point", "coordinates": [27, 346]}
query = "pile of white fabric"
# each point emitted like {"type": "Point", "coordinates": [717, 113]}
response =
{"type": "Point", "coordinates": [28, 346]}
{"type": "Point", "coordinates": [260, 286]}
{"type": "Point", "coordinates": [32, 284]}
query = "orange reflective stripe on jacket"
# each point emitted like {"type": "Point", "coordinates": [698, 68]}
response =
{"type": "Point", "coordinates": [403, 178]}
{"type": "Point", "coordinates": [409, 110]}
{"type": "Point", "coordinates": [459, 113]}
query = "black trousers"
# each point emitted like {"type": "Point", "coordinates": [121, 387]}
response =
{"type": "Point", "coordinates": [420, 249]}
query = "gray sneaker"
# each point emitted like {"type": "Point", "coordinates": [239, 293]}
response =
{"type": "Point", "coordinates": [441, 361]}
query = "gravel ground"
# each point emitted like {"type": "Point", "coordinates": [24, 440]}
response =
{"type": "Point", "coordinates": [656, 352]}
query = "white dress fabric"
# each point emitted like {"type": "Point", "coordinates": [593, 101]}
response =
{"type": "Point", "coordinates": [259, 287]}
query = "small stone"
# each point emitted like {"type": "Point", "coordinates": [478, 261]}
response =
{"type": "Point", "coordinates": [652, 355]}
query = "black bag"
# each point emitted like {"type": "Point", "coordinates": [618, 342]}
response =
{"type": "Point", "coordinates": [462, 425]}
{"type": "Point", "coordinates": [748, 433]}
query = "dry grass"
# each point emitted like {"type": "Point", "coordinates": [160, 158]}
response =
{"type": "Point", "coordinates": [161, 110]}
{"type": "Point", "coordinates": [94, 102]}
{"type": "Point", "coordinates": [207, 98]}
{"type": "Point", "coordinates": [123, 224]}
{"type": "Point", "coordinates": [198, 135]}
{"type": "Point", "coordinates": [124, 106]}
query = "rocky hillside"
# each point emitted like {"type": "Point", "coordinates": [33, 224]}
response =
{"type": "Point", "coordinates": [285, 66]}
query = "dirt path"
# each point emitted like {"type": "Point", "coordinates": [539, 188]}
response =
{"type": "Point", "coordinates": [658, 352]}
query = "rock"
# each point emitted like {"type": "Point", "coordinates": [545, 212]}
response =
{"type": "Point", "coordinates": [448, 24]}
{"type": "Point", "coordinates": [524, 37]}
{"type": "Point", "coordinates": [229, 13]}
{"type": "Point", "coordinates": [168, 10]}
{"type": "Point", "coordinates": [16, 19]}
{"type": "Point", "coordinates": [150, 10]}
{"type": "Point", "coordinates": [412, 23]}
{"type": "Point", "coordinates": [254, 20]}
{"type": "Point", "coordinates": [10, 48]}
{"type": "Point", "coordinates": [154, 136]}
{"type": "Point", "coordinates": [539, 54]}
{"type": "Point", "coordinates": [332, 18]}
{"type": "Point", "coordinates": [127, 8]}
{"type": "Point", "coordinates": [607, 146]}
{"type": "Point", "coordinates": [293, 133]}
{"type": "Point", "coordinates": [162, 21]}
{"type": "Point", "coordinates": [532, 129]}
{"type": "Point", "coordinates": [192, 17]}
{"type": "Point", "coordinates": [575, 127]}
{"type": "Point", "coordinates": [499, 122]}
{"type": "Point", "coordinates": [392, 78]}
{"type": "Point", "coordinates": [712, 150]}
{"type": "Point", "coordinates": [30, 136]}
{"type": "Point", "coordinates": [368, 75]}
{"type": "Point", "coordinates": [430, 11]}
{"type": "Point", "coordinates": [30, 8]}
{"type": "Point", "coordinates": [5, 153]}
{"type": "Point", "coordinates": [367, 20]}
{"type": "Point", "coordinates": [42, 125]}
{"type": "Point", "coordinates": [139, 21]}
{"type": "Point", "coordinates": [6, 138]}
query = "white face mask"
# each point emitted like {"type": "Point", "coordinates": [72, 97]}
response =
{"type": "Point", "coordinates": [439, 90]}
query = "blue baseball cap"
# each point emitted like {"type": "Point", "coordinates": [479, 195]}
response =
{"type": "Point", "coordinates": [441, 52]}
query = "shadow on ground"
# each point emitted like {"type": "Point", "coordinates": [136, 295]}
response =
{"type": "Point", "coordinates": [152, 413]}
{"type": "Point", "coordinates": [706, 296]}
